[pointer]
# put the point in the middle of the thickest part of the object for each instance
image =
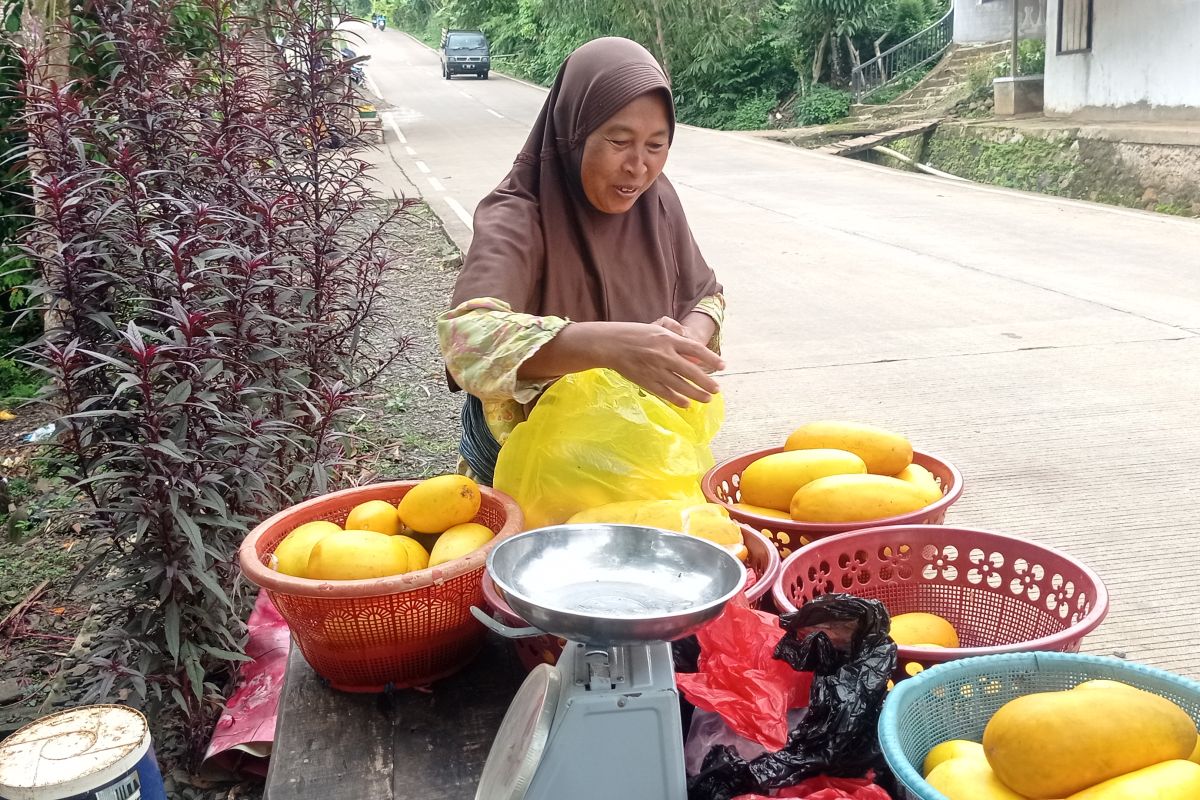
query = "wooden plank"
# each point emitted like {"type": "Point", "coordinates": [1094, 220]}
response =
{"type": "Point", "coordinates": [858, 144]}
{"type": "Point", "coordinates": [407, 745]}
{"type": "Point", "coordinates": [441, 739]}
{"type": "Point", "coordinates": [328, 744]}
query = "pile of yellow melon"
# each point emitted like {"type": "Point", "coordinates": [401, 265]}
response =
{"type": "Point", "coordinates": [831, 472]}
{"type": "Point", "coordinates": [1102, 740]}
{"type": "Point", "coordinates": [380, 539]}
{"type": "Point", "coordinates": [922, 629]}
{"type": "Point", "coordinates": [705, 520]}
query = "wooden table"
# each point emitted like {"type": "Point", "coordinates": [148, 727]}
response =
{"type": "Point", "coordinates": [404, 745]}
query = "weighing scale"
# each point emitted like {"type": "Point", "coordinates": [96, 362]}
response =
{"type": "Point", "coordinates": [603, 722]}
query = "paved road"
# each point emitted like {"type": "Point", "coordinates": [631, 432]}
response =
{"type": "Point", "coordinates": [1049, 348]}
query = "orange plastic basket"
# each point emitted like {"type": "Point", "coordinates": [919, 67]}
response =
{"type": "Point", "coordinates": [722, 485]}
{"type": "Point", "coordinates": [380, 633]}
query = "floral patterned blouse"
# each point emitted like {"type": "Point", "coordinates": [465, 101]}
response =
{"type": "Point", "coordinates": [485, 342]}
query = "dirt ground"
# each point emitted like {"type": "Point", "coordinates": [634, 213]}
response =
{"type": "Point", "coordinates": [408, 429]}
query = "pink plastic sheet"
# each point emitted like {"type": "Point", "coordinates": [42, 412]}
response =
{"type": "Point", "coordinates": [241, 743]}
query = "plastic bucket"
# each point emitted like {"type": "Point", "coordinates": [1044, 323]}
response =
{"type": "Point", "coordinates": [101, 752]}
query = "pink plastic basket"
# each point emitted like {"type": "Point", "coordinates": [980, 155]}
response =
{"type": "Point", "coordinates": [763, 558]}
{"type": "Point", "coordinates": [1002, 594]}
{"type": "Point", "coordinates": [722, 485]}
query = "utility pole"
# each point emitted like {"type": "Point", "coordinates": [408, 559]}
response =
{"type": "Point", "coordinates": [1016, 38]}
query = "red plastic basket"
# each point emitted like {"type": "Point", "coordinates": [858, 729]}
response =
{"type": "Point", "coordinates": [1002, 594]}
{"type": "Point", "coordinates": [763, 558]}
{"type": "Point", "coordinates": [722, 485]}
{"type": "Point", "coordinates": [380, 633]}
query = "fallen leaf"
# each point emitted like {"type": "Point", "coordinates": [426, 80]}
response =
{"type": "Point", "coordinates": [6, 415]}
{"type": "Point", "coordinates": [58, 610]}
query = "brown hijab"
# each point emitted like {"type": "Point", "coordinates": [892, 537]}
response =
{"type": "Point", "coordinates": [539, 244]}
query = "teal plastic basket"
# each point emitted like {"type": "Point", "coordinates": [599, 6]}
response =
{"type": "Point", "coordinates": [955, 700]}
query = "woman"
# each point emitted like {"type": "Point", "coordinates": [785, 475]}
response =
{"type": "Point", "coordinates": [582, 257]}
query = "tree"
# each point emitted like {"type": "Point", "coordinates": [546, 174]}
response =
{"type": "Point", "coordinates": [832, 25]}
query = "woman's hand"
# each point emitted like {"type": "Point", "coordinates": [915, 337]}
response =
{"type": "Point", "coordinates": [697, 326]}
{"type": "Point", "coordinates": [663, 360]}
{"type": "Point", "coordinates": [667, 363]}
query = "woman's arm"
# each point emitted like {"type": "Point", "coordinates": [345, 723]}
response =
{"type": "Point", "coordinates": [700, 327]}
{"type": "Point", "coordinates": [484, 342]}
{"type": "Point", "coordinates": [662, 361]}
{"type": "Point", "coordinates": [497, 354]}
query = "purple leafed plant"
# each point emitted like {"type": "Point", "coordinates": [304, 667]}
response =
{"type": "Point", "coordinates": [211, 262]}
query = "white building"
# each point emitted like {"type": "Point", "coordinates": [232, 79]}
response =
{"type": "Point", "coordinates": [986, 21]}
{"type": "Point", "coordinates": [1105, 59]}
{"type": "Point", "coordinates": [1116, 59]}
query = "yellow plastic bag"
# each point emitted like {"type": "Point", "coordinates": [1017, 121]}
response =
{"type": "Point", "coordinates": [596, 438]}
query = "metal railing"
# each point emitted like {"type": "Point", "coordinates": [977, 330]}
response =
{"type": "Point", "coordinates": [894, 63]}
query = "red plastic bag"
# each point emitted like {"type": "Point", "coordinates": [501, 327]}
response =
{"type": "Point", "coordinates": [822, 788]}
{"type": "Point", "coordinates": [739, 678]}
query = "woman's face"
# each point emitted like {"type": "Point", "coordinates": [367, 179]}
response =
{"type": "Point", "coordinates": [625, 155]}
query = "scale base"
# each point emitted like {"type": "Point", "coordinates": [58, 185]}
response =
{"type": "Point", "coordinates": [616, 732]}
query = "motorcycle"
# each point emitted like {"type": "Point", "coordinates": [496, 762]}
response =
{"type": "Point", "coordinates": [379, 22]}
{"type": "Point", "coordinates": [358, 76]}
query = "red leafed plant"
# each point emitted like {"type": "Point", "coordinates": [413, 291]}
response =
{"type": "Point", "coordinates": [211, 261]}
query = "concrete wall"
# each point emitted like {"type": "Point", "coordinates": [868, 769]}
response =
{"type": "Point", "coordinates": [1140, 167]}
{"type": "Point", "coordinates": [1144, 63]}
{"type": "Point", "coordinates": [991, 20]}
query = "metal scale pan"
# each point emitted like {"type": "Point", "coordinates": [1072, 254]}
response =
{"type": "Point", "coordinates": [604, 722]}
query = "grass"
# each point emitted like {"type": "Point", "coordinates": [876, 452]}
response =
{"type": "Point", "coordinates": [1174, 209]}
{"type": "Point", "coordinates": [893, 90]}
{"type": "Point", "coordinates": [25, 564]}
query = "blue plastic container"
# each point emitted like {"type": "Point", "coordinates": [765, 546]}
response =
{"type": "Point", "coordinates": [955, 701]}
{"type": "Point", "coordinates": [101, 752]}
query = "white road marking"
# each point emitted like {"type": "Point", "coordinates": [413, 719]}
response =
{"type": "Point", "coordinates": [436, 184]}
{"type": "Point", "coordinates": [464, 94]}
{"type": "Point", "coordinates": [396, 128]}
{"type": "Point", "coordinates": [496, 114]}
{"type": "Point", "coordinates": [460, 212]}
{"type": "Point", "coordinates": [421, 165]}
{"type": "Point", "coordinates": [409, 150]}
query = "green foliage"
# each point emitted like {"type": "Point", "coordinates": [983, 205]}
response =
{"type": "Point", "coordinates": [16, 381]}
{"type": "Point", "coordinates": [893, 90]}
{"type": "Point", "coordinates": [1031, 55]}
{"type": "Point", "coordinates": [822, 105]}
{"type": "Point", "coordinates": [753, 113]}
{"type": "Point", "coordinates": [910, 17]}
{"type": "Point", "coordinates": [193, 29]}
{"type": "Point", "coordinates": [1175, 209]}
{"type": "Point", "coordinates": [1030, 163]}
{"type": "Point", "coordinates": [730, 61]}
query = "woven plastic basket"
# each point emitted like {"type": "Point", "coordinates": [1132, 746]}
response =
{"type": "Point", "coordinates": [1002, 594]}
{"type": "Point", "coordinates": [762, 558]}
{"type": "Point", "coordinates": [380, 633]}
{"type": "Point", "coordinates": [956, 700]}
{"type": "Point", "coordinates": [722, 485]}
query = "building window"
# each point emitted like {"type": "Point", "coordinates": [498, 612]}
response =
{"type": "Point", "coordinates": [1074, 26]}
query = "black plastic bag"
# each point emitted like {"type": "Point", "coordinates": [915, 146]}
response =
{"type": "Point", "coordinates": [843, 640]}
